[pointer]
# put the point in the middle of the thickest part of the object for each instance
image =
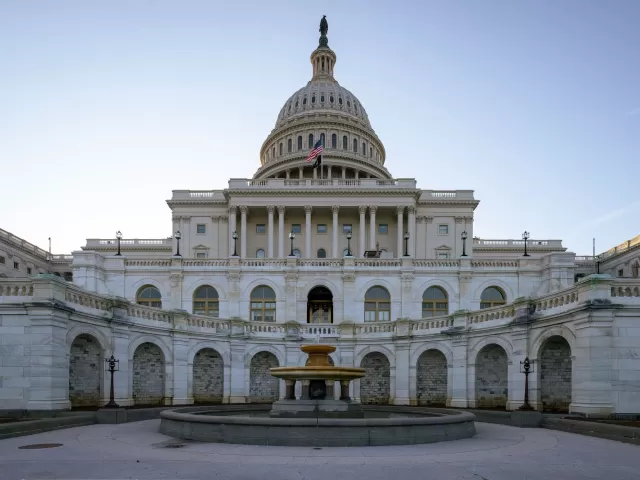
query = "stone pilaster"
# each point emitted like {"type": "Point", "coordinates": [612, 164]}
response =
{"type": "Point", "coordinates": [458, 368]}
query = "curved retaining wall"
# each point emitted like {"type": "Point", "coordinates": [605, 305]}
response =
{"type": "Point", "coordinates": [318, 432]}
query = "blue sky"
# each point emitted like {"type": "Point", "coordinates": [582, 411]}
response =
{"type": "Point", "coordinates": [107, 106]}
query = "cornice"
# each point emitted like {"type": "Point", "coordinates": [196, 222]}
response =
{"type": "Point", "coordinates": [450, 202]}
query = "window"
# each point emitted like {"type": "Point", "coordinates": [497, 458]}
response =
{"type": "Point", "coordinates": [201, 228]}
{"type": "Point", "coordinates": [280, 149]}
{"type": "Point", "coordinates": [345, 143]}
{"type": "Point", "coordinates": [260, 253]}
{"type": "Point", "coordinates": [201, 255]}
{"type": "Point", "coordinates": [311, 140]}
{"type": "Point", "coordinates": [273, 152]}
{"type": "Point", "coordinates": [364, 148]}
{"type": "Point", "coordinates": [634, 269]}
{"type": "Point", "coordinates": [383, 228]}
{"type": "Point", "coordinates": [322, 95]}
{"type": "Point", "coordinates": [299, 142]}
{"type": "Point", "coordinates": [331, 99]}
{"type": "Point", "coordinates": [355, 145]}
{"type": "Point", "coordinates": [322, 253]}
{"type": "Point", "coordinates": [370, 152]}
{"type": "Point", "coordinates": [296, 253]}
{"type": "Point", "coordinates": [304, 101]}
{"type": "Point", "coordinates": [347, 228]}
{"type": "Point", "coordinates": [2, 259]}
{"type": "Point", "coordinates": [29, 270]}
{"type": "Point", "coordinates": [16, 265]}
{"type": "Point", "coordinates": [443, 229]}
{"type": "Point", "coordinates": [149, 296]}
{"type": "Point", "coordinates": [443, 255]}
{"type": "Point", "coordinates": [322, 228]}
{"type": "Point", "coordinates": [263, 304]}
{"type": "Point", "coordinates": [289, 145]}
{"type": "Point", "coordinates": [377, 305]}
{"type": "Point", "coordinates": [206, 301]}
{"type": "Point", "coordinates": [340, 100]}
{"type": "Point", "coordinates": [334, 140]}
{"type": "Point", "coordinates": [313, 99]}
{"type": "Point", "coordinates": [434, 302]}
{"type": "Point", "coordinates": [348, 103]}
{"type": "Point", "coordinates": [621, 273]}
{"type": "Point", "coordinates": [260, 228]}
{"type": "Point", "coordinates": [296, 228]}
{"type": "Point", "coordinates": [492, 297]}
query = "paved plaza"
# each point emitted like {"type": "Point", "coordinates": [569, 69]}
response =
{"type": "Point", "coordinates": [137, 451]}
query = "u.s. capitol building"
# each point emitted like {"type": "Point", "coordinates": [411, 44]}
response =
{"type": "Point", "coordinates": [344, 254]}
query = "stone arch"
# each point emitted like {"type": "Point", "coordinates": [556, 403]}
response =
{"type": "Point", "coordinates": [103, 340]}
{"type": "Point", "coordinates": [86, 366]}
{"type": "Point", "coordinates": [263, 281]}
{"type": "Point", "coordinates": [432, 378]}
{"type": "Point", "coordinates": [319, 282]}
{"type": "Point", "coordinates": [218, 347]}
{"type": "Point", "coordinates": [375, 386]}
{"type": "Point", "coordinates": [432, 282]}
{"type": "Point", "coordinates": [555, 374]}
{"type": "Point", "coordinates": [492, 376]}
{"type": "Point", "coordinates": [376, 349]}
{"type": "Point", "coordinates": [148, 387]}
{"type": "Point", "coordinates": [494, 282]}
{"type": "Point", "coordinates": [497, 339]}
{"type": "Point", "coordinates": [200, 282]}
{"type": "Point", "coordinates": [442, 348]}
{"type": "Point", "coordinates": [146, 281]}
{"type": "Point", "coordinates": [157, 341]}
{"type": "Point", "coordinates": [263, 387]}
{"type": "Point", "coordinates": [208, 376]}
{"type": "Point", "coordinates": [544, 335]}
{"type": "Point", "coordinates": [377, 282]}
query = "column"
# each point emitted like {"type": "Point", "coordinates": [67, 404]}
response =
{"type": "Point", "coordinates": [363, 210]}
{"type": "Point", "coordinates": [328, 172]}
{"type": "Point", "coordinates": [400, 247]}
{"type": "Point", "coordinates": [233, 220]}
{"type": "Point", "coordinates": [411, 219]}
{"type": "Point", "coordinates": [372, 227]}
{"type": "Point", "coordinates": [243, 234]}
{"type": "Point", "coordinates": [307, 231]}
{"type": "Point", "coordinates": [334, 249]}
{"type": "Point", "coordinates": [344, 173]}
{"type": "Point", "coordinates": [270, 210]}
{"type": "Point", "coordinates": [300, 172]}
{"type": "Point", "coordinates": [281, 231]}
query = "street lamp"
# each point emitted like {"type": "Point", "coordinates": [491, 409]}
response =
{"type": "Point", "coordinates": [349, 244]}
{"type": "Point", "coordinates": [406, 244]}
{"type": "Point", "coordinates": [525, 237]}
{"type": "Point", "coordinates": [112, 366]}
{"type": "Point", "coordinates": [178, 237]}
{"type": "Point", "coordinates": [526, 367]}
{"type": "Point", "coordinates": [598, 264]}
{"type": "Point", "coordinates": [463, 235]}
{"type": "Point", "coordinates": [118, 238]}
{"type": "Point", "coordinates": [292, 235]}
{"type": "Point", "coordinates": [234, 235]}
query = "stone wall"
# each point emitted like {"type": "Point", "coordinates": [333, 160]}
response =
{"type": "Point", "coordinates": [85, 368]}
{"type": "Point", "coordinates": [148, 375]}
{"type": "Point", "coordinates": [208, 377]}
{"type": "Point", "coordinates": [263, 387]}
{"type": "Point", "coordinates": [492, 377]}
{"type": "Point", "coordinates": [555, 374]}
{"type": "Point", "coordinates": [375, 387]}
{"type": "Point", "coordinates": [432, 379]}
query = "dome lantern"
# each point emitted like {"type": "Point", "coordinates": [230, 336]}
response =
{"type": "Point", "coordinates": [323, 58]}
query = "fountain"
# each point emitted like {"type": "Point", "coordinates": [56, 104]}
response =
{"type": "Point", "coordinates": [317, 419]}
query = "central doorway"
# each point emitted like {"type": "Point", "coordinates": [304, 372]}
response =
{"type": "Point", "coordinates": [320, 305]}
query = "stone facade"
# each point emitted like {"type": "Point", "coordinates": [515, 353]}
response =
{"type": "Point", "coordinates": [492, 377]}
{"type": "Point", "coordinates": [148, 375]}
{"type": "Point", "coordinates": [555, 375]}
{"type": "Point", "coordinates": [375, 387]}
{"type": "Point", "coordinates": [432, 379]}
{"type": "Point", "coordinates": [85, 368]}
{"type": "Point", "coordinates": [208, 377]}
{"type": "Point", "coordinates": [263, 387]}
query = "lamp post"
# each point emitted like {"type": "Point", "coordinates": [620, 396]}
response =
{"type": "Point", "coordinates": [525, 237]}
{"type": "Point", "coordinates": [598, 264]}
{"type": "Point", "coordinates": [118, 238]}
{"type": "Point", "coordinates": [463, 235]}
{"type": "Point", "coordinates": [526, 367]}
{"type": "Point", "coordinates": [292, 236]}
{"type": "Point", "coordinates": [178, 237]}
{"type": "Point", "coordinates": [234, 235]}
{"type": "Point", "coordinates": [349, 244]}
{"type": "Point", "coordinates": [112, 366]}
{"type": "Point", "coordinates": [406, 244]}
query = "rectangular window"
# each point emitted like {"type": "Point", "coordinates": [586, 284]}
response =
{"type": "Point", "coordinates": [322, 228]}
{"type": "Point", "coordinates": [260, 228]}
{"type": "Point", "coordinates": [621, 273]}
{"type": "Point", "coordinates": [442, 255]}
{"type": "Point", "coordinates": [347, 228]}
{"type": "Point", "coordinates": [2, 260]}
{"type": "Point", "coordinates": [201, 255]}
{"type": "Point", "coordinates": [201, 228]}
{"type": "Point", "coordinates": [16, 265]}
{"type": "Point", "coordinates": [443, 229]}
{"type": "Point", "coordinates": [28, 270]}
{"type": "Point", "coordinates": [296, 228]}
{"type": "Point", "coordinates": [383, 228]}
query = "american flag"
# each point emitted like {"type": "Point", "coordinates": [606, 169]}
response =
{"type": "Point", "coordinates": [316, 152]}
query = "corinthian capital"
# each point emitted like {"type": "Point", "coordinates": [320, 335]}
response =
{"type": "Point", "coordinates": [307, 209]}
{"type": "Point", "coordinates": [281, 209]}
{"type": "Point", "coordinates": [373, 209]}
{"type": "Point", "coordinates": [400, 210]}
{"type": "Point", "coordinates": [244, 209]}
{"type": "Point", "coordinates": [362, 209]}
{"type": "Point", "coordinates": [335, 208]}
{"type": "Point", "coordinates": [271, 209]}
{"type": "Point", "coordinates": [233, 210]}
{"type": "Point", "coordinates": [411, 209]}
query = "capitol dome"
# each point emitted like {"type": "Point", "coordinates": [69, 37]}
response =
{"type": "Point", "coordinates": [323, 109]}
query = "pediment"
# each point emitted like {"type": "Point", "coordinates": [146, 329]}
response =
{"type": "Point", "coordinates": [443, 247]}
{"type": "Point", "coordinates": [201, 247]}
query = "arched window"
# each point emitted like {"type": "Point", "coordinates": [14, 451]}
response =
{"type": "Point", "coordinates": [492, 297]}
{"type": "Point", "coordinates": [205, 301]}
{"type": "Point", "coordinates": [334, 141]}
{"type": "Point", "coordinates": [289, 145]}
{"type": "Point", "coordinates": [370, 152]}
{"type": "Point", "coordinates": [273, 152]}
{"type": "Point", "coordinates": [434, 302]}
{"type": "Point", "coordinates": [377, 305]}
{"type": "Point", "coordinates": [345, 143]}
{"type": "Point", "coordinates": [263, 304]}
{"type": "Point", "coordinates": [355, 145]}
{"type": "Point", "coordinates": [322, 253]}
{"type": "Point", "coordinates": [149, 296]}
{"type": "Point", "coordinates": [281, 148]}
{"type": "Point", "coordinates": [299, 142]}
{"type": "Point", "coordinates": [311, 140]}
{"type": "Point", "coordinates": [364, 148]}
{"type": "Point", "coordinates": [260, 253]}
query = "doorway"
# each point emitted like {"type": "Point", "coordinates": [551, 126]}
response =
{"type": "Point", "coordinates": [320, 305]}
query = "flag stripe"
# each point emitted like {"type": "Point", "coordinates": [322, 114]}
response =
{"type": "Point", "coordinates": [317, 151]}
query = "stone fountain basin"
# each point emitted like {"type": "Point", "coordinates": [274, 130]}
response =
{"type": "Point", "coordinates": [318, 373]}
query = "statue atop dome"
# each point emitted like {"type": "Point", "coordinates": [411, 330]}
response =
{"type": "Point", "coordinates": [324, 28]}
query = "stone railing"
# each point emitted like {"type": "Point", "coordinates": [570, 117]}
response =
{"type": "Point", "coordinates": [428, 325]}
{"type": "Point", "coordinates": [533, 244]}
{"type": "Point", "coordinates": [436, 263]}
{"type": "Point", "coordinates": [495, 263]}
{"type": "Point", "coordinates": [319, 330]}
{"type": "Point", "coordinates": [205, 263]}
{"type": "Point", "coordinates": [495, 313]}
{"type": "Point", "coordinates": [264, 329]}
{"type": "Point", "coordinates": [16, 287]}
{"type": "Point", "coordinates": [202, 322]}
{"type": "Point", "coordinates": [374, 327]}
{"type": "Point", "coordinates": [306, 183]}
{"type": "Point", "coordinates": [378, 262]}
{"type": "Point", "coordinates": [625, 291]}
{"type": "Point", "coordinates": [263, 262]}
{"type": "Point", "coordinates": [623, 247]}
{"type": "Point", "coordinates": [149, 313]}
{"type": "Point", "coordinates": [321, 262]}
{"type": "Point", "coordinates": [127, 242]}
{"type": "Point", "coordinates": [147, 263]}
{"type": "Point", "coordinates": [78, 296]}
{"type": "Point", "coordinates": [568, 296]}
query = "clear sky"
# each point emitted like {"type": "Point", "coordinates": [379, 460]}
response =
{"type": "Point", "coordinates": [108, 106]}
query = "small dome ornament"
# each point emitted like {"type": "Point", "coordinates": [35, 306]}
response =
{"type": "Point", "coordinates": [324, 28]}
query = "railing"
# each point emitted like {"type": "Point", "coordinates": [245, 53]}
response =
{"type": "Point", "coordinates": [436, 263]}
{"type": "Point", "coordinates": [488, 314]}
{"type": "Point", "coordinates": [429, 325]}
{"type": "Point", "coordinates": [374, 328]}
{"type": "Point", "coordinates": [623, 247]}
{"type": "Point", "coordinates": [585, 259]}
{"type": "Point", "coordinates": [625, 291]}
{"type": "Point", "coordinates": [328, 263]}
{"type": "Point", "coordinates": [319, 330]}
{"type": "Point", "coordinates": [447, 195]}
{"type": "Point", "coordinates": [378, 262]}
{"type": "Point", "coordinates": [11, 239]}
{"type": "Point", "coordinates": [15, 287]}
{"type": "Point", "coordinates": [128, 242]}
{"type": "Point", "coordinates": [263, 262]}
{"type": "Point", "coordinates": [479, 242]}
{"type": "Point", "coordinates": [302, 183]}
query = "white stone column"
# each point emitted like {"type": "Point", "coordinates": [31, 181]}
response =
{"type": "Point", "coordinates": [233, 221]}
{"type": "Point", "coordinates": [300, 172]}
{"type": "Point", "coordinates": [281, 231]}
{"type": "Point", "coordinates": [270, 210]}
{"type": "Point", "coordinates": [363, 211]}
{"type": "Point", "coordinates": [411, 219]}
{"type": "Point", "coordinates": [399, 248]}
{"type": "Point", "coordinates": [307, 231]}
{"type": "Point", "coordinates": [243, 227]}
{"type": "Point", "coordinates": [372, 227]}
{"type": "Point", "coordinates": [334, 249]}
